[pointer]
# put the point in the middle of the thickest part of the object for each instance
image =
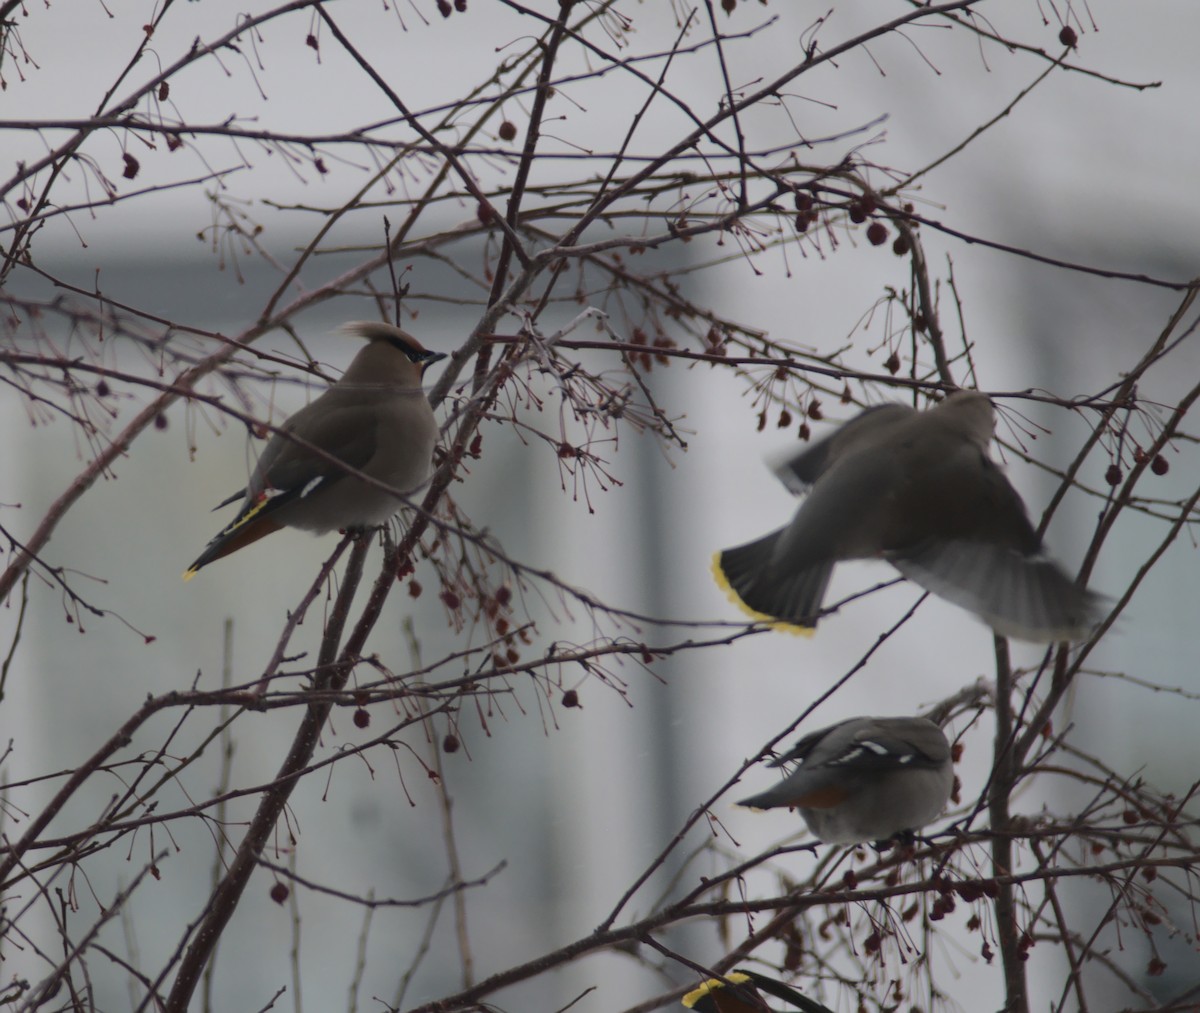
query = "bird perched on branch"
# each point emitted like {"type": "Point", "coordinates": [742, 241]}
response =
{"type": "Point", "coordinates": [865, 779]}
{"type": "Point", "coordinates": [375, 419]}
{"type": "Point", "coordinates": [741, 991]}
{"type": "Point", "coordinates": [919, 490]}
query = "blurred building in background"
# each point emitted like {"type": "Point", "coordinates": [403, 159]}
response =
{"type": "Point", "coordinates": [576, 804]}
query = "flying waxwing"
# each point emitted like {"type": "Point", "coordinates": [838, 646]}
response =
{"type": "Point", "coordinates": [741, 992]}
{"type": "Point", "coordinates": [865, 779]}
{"type": "Point", "coordinates": [375, 419]}
{"type": "Point", "coordinates": [919, 490]}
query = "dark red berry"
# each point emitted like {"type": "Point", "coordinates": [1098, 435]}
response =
{"type": "Point", "coordinates": [861, 208]}
{"type": "Point", "coordinates": [450, 744]}
{"type": "Point", "coordinates": [1068, 36]}
{"type": "Point", "coordinates": [570, 698]}
{"type": "Point", "coordinates": [877, 233]}
{"type": "Point", "coordinates": [279, 893]}
{"type": "Point", "coordinates": [970, 892]}
{"type": "Point", "coordinates": [362, 718]}
{"type": "Point", "coordinates": [941, 907]}
{"type": "Point", "coordinates": [1113, 475]}
{"type": "Point", "coordinates": [507, 131]}
{"type": "Point", "coordinates": [1159, 465]}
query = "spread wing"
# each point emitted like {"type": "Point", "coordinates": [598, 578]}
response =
{"type": "Point", "coordinates": [801, 469]}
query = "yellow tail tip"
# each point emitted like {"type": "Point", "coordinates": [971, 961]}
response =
{"type": "Point", "coordinates": [782, 625]}
{"type": "Point", "coordinates": [712, 985]}
{"type": "Point", "coordinates": [189, 574]}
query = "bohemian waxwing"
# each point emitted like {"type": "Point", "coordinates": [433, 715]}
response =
{"type": "Point", "coordinates": [375, 419]}
{"type": "Point", "coordinates": [865, 779]}
{"type": "Point", "coordinates": [919, 490]}
{"type": "Point", "coordinates": [741, 991]}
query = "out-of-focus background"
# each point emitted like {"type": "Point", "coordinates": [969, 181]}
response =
{"type": "Point", "coordinates": [577, 803]}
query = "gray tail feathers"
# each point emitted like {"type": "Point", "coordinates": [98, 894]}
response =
{"type": "Point", "coordinates": [748, 573]}
{"type": "Point", "coordinates": [784, 793]}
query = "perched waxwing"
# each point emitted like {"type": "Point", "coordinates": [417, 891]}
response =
{"type": "Point", "coordinates": [375, 419]}
{"type": "Point", "coordinates": [865, 779]}
{"type": "Point", "coordinates": [741, 991]}
{"type": "Point", "coordinates": [919, 490]}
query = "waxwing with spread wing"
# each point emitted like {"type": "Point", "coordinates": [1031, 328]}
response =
{"type": "Point", "coordinates": [918, 489]}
